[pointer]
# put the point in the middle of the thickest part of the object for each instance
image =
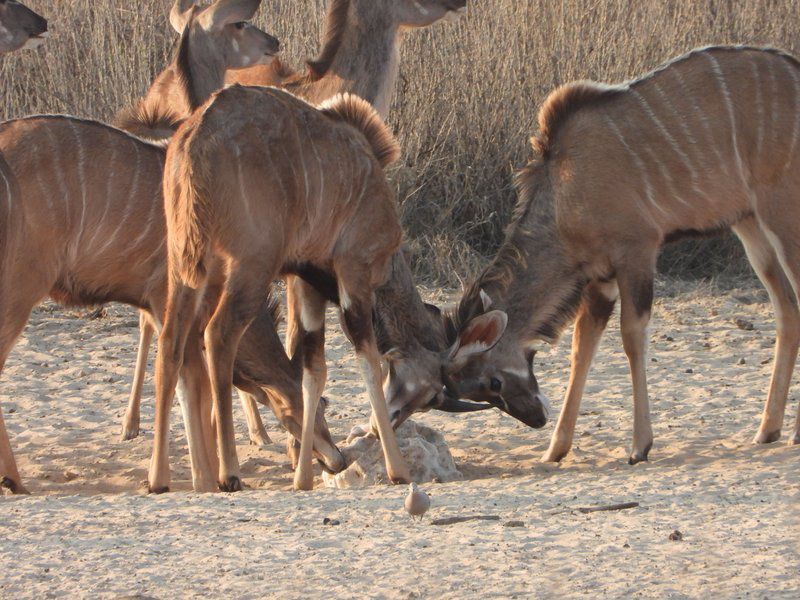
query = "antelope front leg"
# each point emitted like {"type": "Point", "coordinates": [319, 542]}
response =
{"type": "Point", "coordinates": [357, 321]}
{"type": "Point", "coordinates": [9, 475]}
{"type": "Point", "coordinates": [130, 423]}
{"type": "Point", "coordinates": [636, 298]}
{"type": "Point", "coordinates": [169, 361]}
{"type": "Point", "coordinates": [595, 310]}
{"type": "Point", "coordinates": [255, 426]}
{"type": "Point", "coordinates": [311, 340]}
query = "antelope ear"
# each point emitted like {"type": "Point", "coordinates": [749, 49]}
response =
{"type": "Point", "coordinates": [227, 12]}
{"type": "Point", "coordinates": [180, 13]}
{"type": "Point", "coordinates": [480, 335]}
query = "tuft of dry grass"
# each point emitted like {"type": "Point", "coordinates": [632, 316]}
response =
{"type": "Point", "coordinates": [465, 106]}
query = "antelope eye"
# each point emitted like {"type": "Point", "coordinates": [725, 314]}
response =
{"type": "Point", "coordinates": [495, 384]}
{"type": "Point", "coordinates": [241, 25]}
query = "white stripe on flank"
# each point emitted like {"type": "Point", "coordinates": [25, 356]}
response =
{"type": "Point", "coordinates": [692, 142]}
{"type": "Point", "coordinates": [775, 136]}
{"type": "Point", "coordinates": [37, 177]}
{"type": "Point", "coordinates": [277, 175]}
{"type": "Point", "coordinates": [155, 204]}
{"type": "Point", "coordinates": [243, 186]}
{"type": "Point", "coordinates": [8, 192]}
{"type": "Point", "coordinates": [319, 165]}
{"type": "Point", "coordinates": [793, 73]}
{"type": "Point", "coordinates": [726, 95]}
{"type": "Point", "coordinates": [648, 186]}
{"type": "Point", "coordinates": [58, 170]}
{"type": "Point", "coordinates": [129, 201]}
{"type": "Point", "coordinates": [704, 120]}
{"type": "Point", "coordinates": [82, 181]}
{"type": "Point", "coordinates": [759, 108]}
{"type": "Point", "coordinates": [673, 144]}
{"type": "Point", "coordinates": [110, 176]}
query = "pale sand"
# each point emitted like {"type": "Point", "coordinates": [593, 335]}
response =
{"type": "Point", "coordinates": [89, 531]}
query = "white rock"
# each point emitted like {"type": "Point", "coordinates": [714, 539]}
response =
{"type": "Point", "coordinates": [424, 450]}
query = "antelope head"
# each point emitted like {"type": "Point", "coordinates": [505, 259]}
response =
{"type": "Point", "coordinates": [224, 24]}
{"type": "Point", "coordinates": [502, 374]}
{"type": "Point", "coordinates": [418, 379]}
{"type": "Point", "coordinates": [475, 372]}
{"type": "Point", "coordinates": [20, 27]}
{"type": "Point", "coordinates": [422, 13]}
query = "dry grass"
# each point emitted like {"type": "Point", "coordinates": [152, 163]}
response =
{"type": "Point", "coordinates": [466, 103]}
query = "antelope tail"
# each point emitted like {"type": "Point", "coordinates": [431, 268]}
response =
{"type": "Point", "coordinates": [358, 113]}
{"type": "Point", "coordinates": [189, 223]}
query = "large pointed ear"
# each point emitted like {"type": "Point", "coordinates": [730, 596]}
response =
{"type": "Point", "coordinates": [480, 335]}
{"type": "Point", "coordinates": [180, 13]}
{"type": "Point", "coordinates": [227, 12]}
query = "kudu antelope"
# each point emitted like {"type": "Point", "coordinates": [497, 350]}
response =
{"type": "Point", "coordinates": [20, 27]}
{"type": "Point", "coordinates": [156, 117]}
{"type": "Point", "coordinates": [359, 55]}
{"type": "Point", "coordinates": [706, 143]}
{"type": "Point", "coordinates": [257, 183]}
{"type": "Point", "coordinates": [72, 189]}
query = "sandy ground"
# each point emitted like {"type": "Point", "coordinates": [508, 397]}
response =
{"type": "Point", "coordinates": [88, 530]}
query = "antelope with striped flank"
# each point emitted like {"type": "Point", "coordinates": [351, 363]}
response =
{"type": "Point", "coordinates": [66, 213]}
{"type": "Point", "coordinates": [706, 143]}
{"type": "Point", "coordinates": [260, 183]}
{"type": "Point", "coordinates": [157, 116]}
{"type": "Point", "coordinates": [359, 55]}
{"type": "Point", "coordinates": [20, 27]}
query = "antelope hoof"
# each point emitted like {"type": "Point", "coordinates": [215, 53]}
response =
{"type": "Point", "coordinates": [795, 439]}
{"type": "Point", "coordinates": [402, 478]}
{"type": "Point", "coordinates": [157, 489]}
{"type": "Point", "coordinates": [554, 455]}
{"type": "Point", "coordinates": [129, 433]}
{"type": "Point", "coordinates": [14, 487]}
{"type": "Point", "coordinates": [767, 438]}
{"type": "Point", "coordinates": [303, 484]}
{"type": "Point", "coordinates": [262, 440]}
{"type": "Point", "coordinates": [231, 484]}
{"type": "Point", "coordinates": [637, 457]}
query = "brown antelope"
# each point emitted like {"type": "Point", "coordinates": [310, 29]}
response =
{"type": "Point", "coordinates": [20, 27]}
{"type": "Point", "coordinates": [359, 55]}
{"type": "Point", "coordinates": [65, 212]}
{"type": "Point", "coordinates": [706, 143]}
{"type": "Point", "coordinates": [360, 51]}
{"type": "Point", "coordinates": [156, 117]}
{"type": "Point", "coordinates": [259, 182]}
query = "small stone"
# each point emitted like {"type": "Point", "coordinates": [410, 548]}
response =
{"type": "Point", "coordinates": [766, 361]}
{"type": "Point", "coordinates": [689, 371]}
{"type": "Point", "coordinates": [744, 324]}
{"type": "Point", "coordinates": [742, 361]}
{"type": "Point", "coordinates": [514, 524]}
{"type": "Point", "coordinates": [331, 522]}
{"type": "Point", "coordinates": [707, 345]}
{"type": "Point", "coordinates": [669, 338]}
{"type": "Point", "coordinates": [675, 536]}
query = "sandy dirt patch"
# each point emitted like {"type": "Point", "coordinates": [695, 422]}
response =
{"type": "Point", "coordinates": [88, 529]}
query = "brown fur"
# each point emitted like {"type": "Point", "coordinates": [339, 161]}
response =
{"type": "Point", "coordinates": [335, 27]}
{"type": "Point", "coordinates": [317, 187]}
{"type": "Point", "coordinates": [76, 188]}
{"type": "Point", "coordinates": [707, 142]}
{"type": "Point", "coordinates": [360, 114]}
